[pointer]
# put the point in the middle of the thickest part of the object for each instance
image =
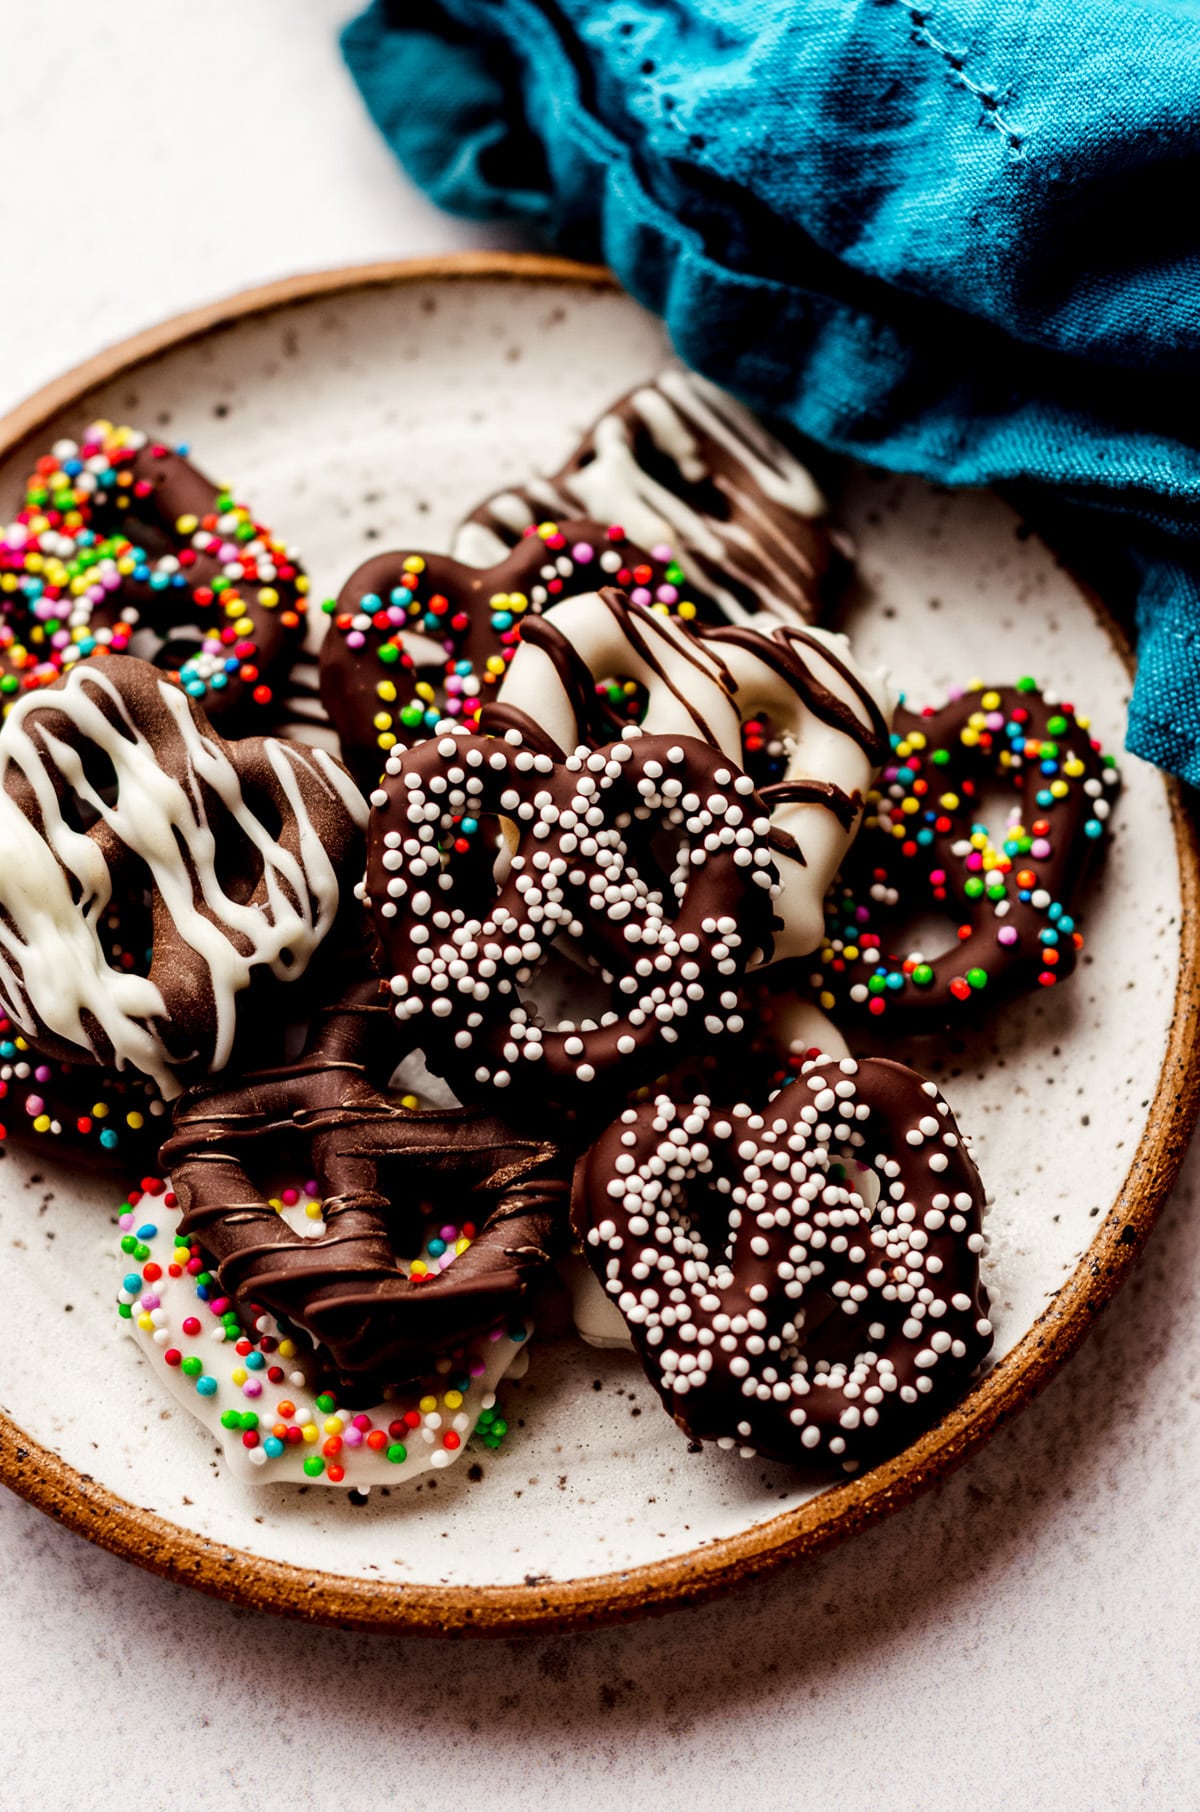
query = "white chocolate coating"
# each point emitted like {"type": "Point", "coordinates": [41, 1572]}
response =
{"type": "Point", "coordinates": [159, 1311]}
{"type": "Point", "coordinates": [706, 686]}
{"type": "Point", "coordinates": [815, 750]}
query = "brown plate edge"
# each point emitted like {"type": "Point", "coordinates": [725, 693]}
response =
{"type": "Point", "coordinates": [152, 1542]}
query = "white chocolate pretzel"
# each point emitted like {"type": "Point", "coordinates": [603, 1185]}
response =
{"type": "Point", "coordinates": [832, 719]}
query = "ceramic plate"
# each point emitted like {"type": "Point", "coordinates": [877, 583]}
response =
{"type": "Point", "coordinates": [360, 409]}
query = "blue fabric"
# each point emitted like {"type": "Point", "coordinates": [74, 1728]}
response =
{"type": "Point", "coordinates": [960, 240]}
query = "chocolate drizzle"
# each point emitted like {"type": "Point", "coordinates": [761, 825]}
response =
{"type": "Point", "coordinates": [225, 860]}
{"type": "Point", "coordinates": [679, 460]}
{"type": "Point", "coordinates": [844, 806]}
{"type": "Point", "coordinates": [376, 1162]}
{"type": "Point", "coordinates": [788, 652]}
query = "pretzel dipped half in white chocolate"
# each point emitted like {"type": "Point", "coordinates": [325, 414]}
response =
{"type": "Point", "coordinates": [679, 461]}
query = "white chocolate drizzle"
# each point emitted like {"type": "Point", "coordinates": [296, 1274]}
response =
{"type": "Point", "coordinates": [746, 549]}
{"type": "Point", "coordinates": [58, 881]}
{"type": "Point", "coordinates": [828, 713]}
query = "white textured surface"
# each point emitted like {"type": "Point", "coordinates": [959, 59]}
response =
{"type": "Point", "coordinates": [1024, 1636]}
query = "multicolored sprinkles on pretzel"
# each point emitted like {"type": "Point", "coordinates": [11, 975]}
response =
{"type": "Point", "coordinates": [416, 638]}
{"type": "Point", "coordinates": [923, 849]}
{"type": "Point", "coordinates": [259, 1388]}
{"type": "Point", "coordinates": [120, 534]}
{"type": "Point", "coordinates": [75, 1108]}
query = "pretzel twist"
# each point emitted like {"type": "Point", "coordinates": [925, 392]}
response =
{"type": "Point", "coordinates": [375, 1163]}
{"type": "Point", "coordinates": [415, 638]}
{"type": "Point", "coordinates": [123, 546]}
{"type": "Point", "coordinates": [923, 849]}
{"type": "Point", "coordinates": [459, 941]}
{"type": "Point", "coordinates": [132, 831]}
{"type": "Point", "coordinates": [801, 1280]}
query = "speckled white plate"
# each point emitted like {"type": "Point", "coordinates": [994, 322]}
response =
{"type": "Point", "coordinates": [359, 409]}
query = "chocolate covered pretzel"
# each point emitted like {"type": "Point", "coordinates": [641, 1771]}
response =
{"type": "Point", "coordinates": [416, 638]}
{"type": "Point", "coordinates": [464, 917]}
{"type": "Point", "coordinates": [123, 546]}
{"type": "Point", "coordinates": [828, 720]}
{"type": "Point", "coordinates": [375, 1164]}
{"type": "Point", "coordinates": [154, 872]}
{"type": "Point", "coordinates": [923, 849]}
{"type": "Point", "coordinates": [678, 461]}
{"type": "Point", "coordinates": [800, 1280]}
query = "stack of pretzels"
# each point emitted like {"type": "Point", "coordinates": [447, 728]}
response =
{"type": "Point", "coordinates": [621, 842]}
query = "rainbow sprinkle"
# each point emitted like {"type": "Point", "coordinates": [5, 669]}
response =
{"type": "Point", "coordinates": [69, 578]}
{"type": "Point", "coordinates": [260, 1389]}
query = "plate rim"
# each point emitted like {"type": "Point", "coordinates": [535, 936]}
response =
{"type": "Point", "coordinates": [150, 1540]}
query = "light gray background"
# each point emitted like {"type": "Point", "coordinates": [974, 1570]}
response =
{"type": "Point", "coordinates": [1024, 1636]}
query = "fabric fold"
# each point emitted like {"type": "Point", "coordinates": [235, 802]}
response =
{"type": "Point", "coordinates": [954, 241]}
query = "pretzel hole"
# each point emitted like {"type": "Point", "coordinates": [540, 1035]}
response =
{"type": "Point", "coordinates": [660, 850]}
{"type": "Point", "coordinates": [299, 1200]}
{"type": "Point", "coordinates": [622, 700]}
{"type": "Point", "coordinates": [992, 802]}
{"type": "Point", "coordinates": [565, 989]}
{"type": "Point", "coordinates": [766, 748]}
{"type": "Point", "coordinates": [126, 932]}
{"type": "Point", "coordinates": [146, 532]}
{"type": "Point", "coordinates": [238, 866]}
{"type": "Point", "coordinates": [479, 857]}
{"type": "Point", "coordinates": [918, 936]}
{"type": "Point", "coordinates": [171, 652]}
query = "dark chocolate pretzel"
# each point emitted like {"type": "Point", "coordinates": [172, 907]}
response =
{"type": "Point", "coordinates": [922, 849]}
{"type": "Point", "coordinates": [680, 461]}
{"type": "Point", "coordinates": [459, 943]}
{"type": "Point", "coordinates": [121, 546]}
{"type": "Point", "coordinates": [775, 1304]}
{"type": "Point", "coordinates": [375, 1162]}
{"type": "Point", "coordinates": [154, 872]}
{"type": "Point", "coordinates": [418, 637]}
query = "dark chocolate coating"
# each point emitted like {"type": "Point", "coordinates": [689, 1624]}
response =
{"type": "Point", "coordinates": [451, 606]}
{"type": "Point", "coordinates": [458, 945]}
{"type": "Point", "coordinates": [51, 1108]}
{"type": "Point", "coordinates": [1015, 921]}
{"type": "Point", "coordinates": [375, 1162]}
{"type": "Point", "coordinates": [250, 821]}
{"type": "Point", "coordinates": [171, 593]}
{"type": "Point", "coordinates": [773, 1308]}
{"type": "Point", "coordinates": [725, 490]}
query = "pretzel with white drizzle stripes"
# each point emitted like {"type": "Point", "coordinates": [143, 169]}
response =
{"type": "Point", "coordinates": [678, 460]}
{"type": "Point", "coordinates": [225, 860]}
